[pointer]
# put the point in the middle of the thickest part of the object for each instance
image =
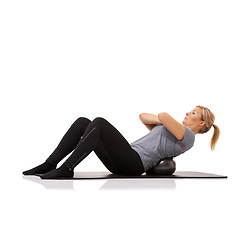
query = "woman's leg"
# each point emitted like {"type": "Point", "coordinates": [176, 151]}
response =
{"type": "Point", "coordinates": [66, 145]}
{"type": "Point", "coordinates": [108, 143]}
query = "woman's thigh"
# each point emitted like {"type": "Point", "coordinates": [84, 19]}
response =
{"type": "Point", "coordinates": [115, 151]}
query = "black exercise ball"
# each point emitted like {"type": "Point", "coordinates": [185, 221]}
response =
{"type": "Point", "coordinates": [166, 166]}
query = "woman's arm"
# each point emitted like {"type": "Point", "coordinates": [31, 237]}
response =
{"type": "Point", "coordinates": [173, 126]}
{"type": "Point", "coordinates": [149, 120]}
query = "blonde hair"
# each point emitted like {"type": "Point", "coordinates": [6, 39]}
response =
{"type": "Point", "coordinates": [208, 117]}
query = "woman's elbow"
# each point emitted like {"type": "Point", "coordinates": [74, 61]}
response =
{"type": "Point", "coordinates": [142, 115]}
{"type": "Point", "coordinates": [162, 115]}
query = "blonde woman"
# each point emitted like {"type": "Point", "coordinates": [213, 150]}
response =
{"type": "Point", "coordinates": [167, 138]}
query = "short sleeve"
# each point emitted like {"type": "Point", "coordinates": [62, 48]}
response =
{"type": "Point", "coordinates": [188, 140]}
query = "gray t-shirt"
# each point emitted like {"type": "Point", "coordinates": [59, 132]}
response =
{"type": "Point", "coordinates": [159, 143]}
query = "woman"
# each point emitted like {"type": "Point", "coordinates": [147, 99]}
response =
{"type": "Point", "coordinates": [167, 138]}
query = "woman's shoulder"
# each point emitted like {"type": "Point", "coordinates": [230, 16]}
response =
{"type": "Point", "coordinates": [189, 137]}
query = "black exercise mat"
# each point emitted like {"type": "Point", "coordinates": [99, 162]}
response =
{"type": "Point", "coordinates": [177, 174]}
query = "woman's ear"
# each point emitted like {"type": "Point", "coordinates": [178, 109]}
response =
{"type": "Point", "coordinates": [202, 123]}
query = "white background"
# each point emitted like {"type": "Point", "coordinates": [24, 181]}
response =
{"type": "Point", "coordinates": [60, 60]}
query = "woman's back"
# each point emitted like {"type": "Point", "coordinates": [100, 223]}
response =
{"type": "Point", "coordinates": [159, 143]}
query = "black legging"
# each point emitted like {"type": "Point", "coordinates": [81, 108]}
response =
{"type": "Point", "coordinates": [85, 136]}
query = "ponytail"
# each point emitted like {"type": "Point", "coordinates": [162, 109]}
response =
{"type": "Point", "coordinates": [215, 136]}
{"type": "Point", "coordinates": [209, 119]}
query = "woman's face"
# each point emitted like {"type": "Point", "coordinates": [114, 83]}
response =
{"type": "Point", "coordinates": [193, 119]}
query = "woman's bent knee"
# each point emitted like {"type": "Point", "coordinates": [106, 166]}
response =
{"type": "Point", "coordinates": [100, 120]}
{"type": "Point", "coordinates": [82, 121]}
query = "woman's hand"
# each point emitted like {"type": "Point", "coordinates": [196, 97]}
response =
{"type": "Point", "coordinates": [149, 120]}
